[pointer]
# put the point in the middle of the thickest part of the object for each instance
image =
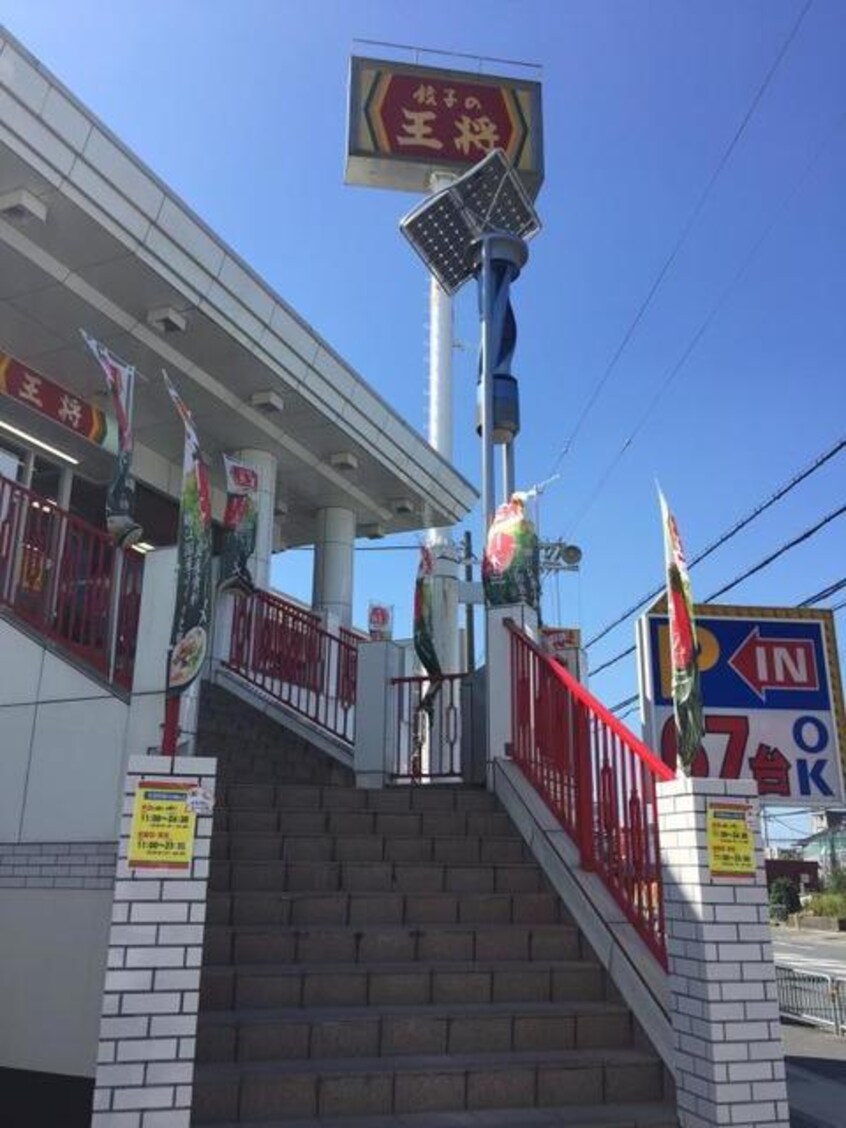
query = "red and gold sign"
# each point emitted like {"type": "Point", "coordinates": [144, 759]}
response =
{"type": "Point", "coordinates": [48, 398]}
{"type": "Point", "coordinates": [407, 122]}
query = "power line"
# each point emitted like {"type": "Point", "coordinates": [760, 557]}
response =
{"type": "Point", "coordinates": [765, 563]}
{"type": "Point", "coordinates": [744, 576]}
{"type": "Point", "coordinates": [682, 239]}
{"type": "Point", "coordinates": [781, 492]}
{"type": "Point", "coordinates": [700, 332]}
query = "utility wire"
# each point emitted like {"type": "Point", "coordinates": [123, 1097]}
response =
{"type": "Point", "coordinates": [762, 507]}
{"type": "Point", "coordinates": [706, 324]}
{"type": "Point", "coordinates": [682, 239]}
{"type": "Point", "coordinates": [765, 563]}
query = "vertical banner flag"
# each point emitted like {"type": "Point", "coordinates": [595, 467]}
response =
{"type": "Point", "coordinates": [511, 564]}
{"type": "Point", "coordinates": [684, 646]}
{"type": "Point", "coordinates": [424, 642]}
{"type": "Point", "coordinates": [241, 521]}
{"type": "Point", "coordinates": [191, 616]}
{"type": "Point", "coordinates": [120, 496]}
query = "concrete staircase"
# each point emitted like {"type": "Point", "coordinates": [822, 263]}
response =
{"type": "Point", "coordinates": [394, 958]}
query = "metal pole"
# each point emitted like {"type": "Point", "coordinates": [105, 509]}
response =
{"type": "Point", "coordinates": [469, 607]}
{"type": "Point", "coordinates": [507, 471]}
{"type": "Point", "coordinates": [488, 359]}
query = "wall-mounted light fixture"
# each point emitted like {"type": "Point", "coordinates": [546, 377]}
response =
{"type": "Point", "coordinates": [27, 438]}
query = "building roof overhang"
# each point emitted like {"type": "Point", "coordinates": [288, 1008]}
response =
{"type": "Point", "coordinates": [117, 245]}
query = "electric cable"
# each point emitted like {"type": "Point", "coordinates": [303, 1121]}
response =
{"type": "Point", "coordinates": [682, 239]}
{"type": "Point", "coordinates": [706, 324]}
{"type": "Point", "coordinates": [781, 492]}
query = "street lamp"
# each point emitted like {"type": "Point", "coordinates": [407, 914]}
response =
{"type": "Point", "coordinates": [478, 226]}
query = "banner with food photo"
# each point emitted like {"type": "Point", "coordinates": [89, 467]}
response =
{"type": "Point", "coordinates": [511, 565]}
{"type": "Point", "coordinates": [424, 641]}
{"type": "Point", "coordinates": [120, 495]}
{"type": "Point", "coordinates": [241, 522]}
{"type": "Point", "coordinates": [192, 614]}
{"type": "Point", "coordinates": [684, 645]}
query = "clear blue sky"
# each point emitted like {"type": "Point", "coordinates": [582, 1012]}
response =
{"type": "Point", "coordinates": [241, 108]}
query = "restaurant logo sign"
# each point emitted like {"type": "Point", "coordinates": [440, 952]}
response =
{"type": "Point", "coordinates": [407, 122]}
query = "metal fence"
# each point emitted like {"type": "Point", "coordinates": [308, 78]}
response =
{"type": "Point", "coordinates": [596, 777]}
{"type": "Point", "coordinates": [284, 650]}
{"type": "Point", "coordinates": [813, 997]}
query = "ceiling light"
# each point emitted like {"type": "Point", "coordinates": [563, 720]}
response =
{"type": "Point", "coordinates": [143, 547]}
{"type": "Point", "coordinates": [372, 532]}
{"type": "Point", "coordinates": [267, 401]}
{"type": "Point", "coordinates": [280, 509]}
{"type": "Point", "coordinates": [167, 320]}
{"type": "Point", "coordinates": [27, 438]}
{"type": "Point", "coordinates": [344, 460]}
{"type": "Point", "coordinates": [402, 506]}
{"type": "Point", "coordinates": [20, 205]}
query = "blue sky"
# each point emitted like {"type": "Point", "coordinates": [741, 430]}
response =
{"type": "Point", "coordinates": [241, 108]}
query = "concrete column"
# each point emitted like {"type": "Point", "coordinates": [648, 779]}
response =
{"type": "Point", "coordinates": [729, 1058]}
{"type": "Point", "coordinates": [265, 464]}
{"type": "Point", "coordinates": [376, 727]}
{"type": "Point", "coordinates": [332, 587]}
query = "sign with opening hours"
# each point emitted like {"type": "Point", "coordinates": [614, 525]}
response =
{"type": "Point", "coordinates": [163, 825]}
{"type": "Point", "coordinates": [772, 699]}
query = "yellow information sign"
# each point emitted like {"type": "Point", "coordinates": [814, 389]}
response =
{"type": "Point", "coordinates": [163, 825]}
{"type": "Point", "coordinates": [731, 842]}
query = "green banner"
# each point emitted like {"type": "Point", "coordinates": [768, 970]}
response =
{"type": "Point", "coordinates": [191, 617]}
{"type": "Point", "coordinates": [241, 521]}
{"type": "Point", "coordinates": [424, 642]}
{"type": "Point", "coordinates": [684, 645]}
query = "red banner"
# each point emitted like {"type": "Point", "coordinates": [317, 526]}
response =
{"type": "Point", "coordinates": [48, 398]}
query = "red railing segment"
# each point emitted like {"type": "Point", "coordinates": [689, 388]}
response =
{"type": "Point", "coordinates": [427, 738]}
{"type": "Point", "coordinates": [596, 777]}
{"type": "Point", "coordinates": [57, 574]}
{"type": "Point", "coordinates": [283, 649]}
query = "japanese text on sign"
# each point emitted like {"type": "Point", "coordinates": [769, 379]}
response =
{"type": "Point", "coordinates": [163, 826]}
{"type": "Point", "coordinates": [731, 843]}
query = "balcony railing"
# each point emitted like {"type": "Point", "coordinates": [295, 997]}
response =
{"type": "Point", "coordinates": [68, 581]}
{"type": "Point", "coordinates": [596, 777]}
{"type": "Point", "coordinates": [427, 737]}
{"type": "Point", "coordinates": [284, 650]}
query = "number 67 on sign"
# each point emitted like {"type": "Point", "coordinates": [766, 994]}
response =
{"type": "Point", "coordinates": [772, 699]}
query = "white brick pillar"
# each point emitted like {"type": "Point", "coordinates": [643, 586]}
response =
{"type": "Point", "coordinates": [729, 1058]}
{"type": "Point", "coordinates": [145, 1063]}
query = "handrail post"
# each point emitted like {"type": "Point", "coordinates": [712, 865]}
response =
{"type": "Point", "coordinates": [584, 789]}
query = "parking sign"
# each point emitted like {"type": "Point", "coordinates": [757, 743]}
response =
{"type": "Point", "coordinates": [772, 699]}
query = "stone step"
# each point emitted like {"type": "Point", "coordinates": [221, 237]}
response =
{"type": "Point", "coordinates": [270, 819]}
{"type": "Point", "coordinates": [240, 844]}
{"type": "Point", "coordinates": [391, 984]}
{"type": "Point", "coordinates": [303, 797]}
{"type": "Point", "coordinates": [382, 943]}
{"type": "Point", "coordinates": [423, 1083]}
{"type": "Point", "coordinates": [409, 877]}
{"type": "Point", "coordinates": [342, 908]}
{"type": "Point", "coordinates": [353, 1032]}
{"type": "Point", "coordinates": [643, 1115]}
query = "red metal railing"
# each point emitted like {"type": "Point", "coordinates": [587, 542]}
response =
{"type": "Point", "coordinates": [427, 738]}
{"type": "Point", "coordinates": [596, 777]}
{"type": "Point", "coordinates": [58, 574]}
{"type": "Point", "coordinates": [284, 650]}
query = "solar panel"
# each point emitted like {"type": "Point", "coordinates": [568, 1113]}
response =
{"type": "Point", "coordinates": [490, 198]}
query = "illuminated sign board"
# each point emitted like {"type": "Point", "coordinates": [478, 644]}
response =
{"type": "Point", "coordinates": [408, 122]}
{"type": "Point", "coordinates": [52, 400]}
{"type": "Point", "coordinates": [771, 694]}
